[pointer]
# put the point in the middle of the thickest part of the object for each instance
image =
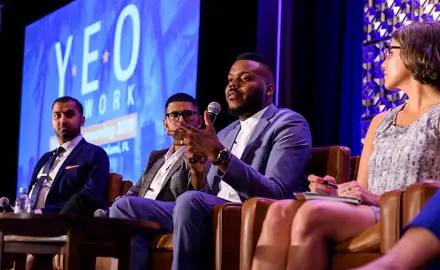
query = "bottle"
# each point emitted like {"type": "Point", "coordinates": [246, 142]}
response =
{"type": "Point", "coordinates": [23, 203]}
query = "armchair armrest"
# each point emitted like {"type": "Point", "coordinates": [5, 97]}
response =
{"type": "Point", "coordinates": [113, 186]}
{"type": "Point", "coordinates": [366, 241]}
{"type": "Point", "coordinates": [382, 236]}
{"type": "Point", "coordinates": [253, 214]}
{"type": "Point", "coordinates": [415, 198]}
{"type": "Point", "coordinates": [125, 187]}
{"type": "Point", "coordinates": [226, 227]}
{"type": "Point", "coordinates": [390, 218]}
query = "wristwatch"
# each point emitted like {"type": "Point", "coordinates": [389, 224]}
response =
{"type": "Point", "coordinates": [223, 157]}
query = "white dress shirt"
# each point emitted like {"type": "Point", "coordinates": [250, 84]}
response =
{"type": "Point", "coordinates": [59, 160]}
{"type": "Point", "coordinates": [170, 158]}
{"type": "Point", "coordinates": [226, 191]}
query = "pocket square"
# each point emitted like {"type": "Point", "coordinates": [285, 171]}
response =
{"type": "Point", "coordinates": [72, 166]}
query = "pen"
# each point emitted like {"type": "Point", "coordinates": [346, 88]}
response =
{"type": "Point", "coordinates": [328, 183]}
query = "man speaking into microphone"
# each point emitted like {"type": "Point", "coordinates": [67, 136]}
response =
{"type": "Point", "coordinates": [264, 153]}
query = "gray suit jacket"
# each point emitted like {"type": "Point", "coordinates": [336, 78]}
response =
{"type": "Point", "coordinates": [274, 161]}
{"type": "Point", "coordinates": [176, 183]}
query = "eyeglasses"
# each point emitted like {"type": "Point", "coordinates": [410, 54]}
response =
{"type": "Point", "coordinates": [187, 116]}
{"type": "Point", "coordinates": [387, 50]}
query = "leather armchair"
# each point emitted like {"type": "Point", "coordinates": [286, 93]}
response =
{"type": "Point", "coordinates": [333, 161]}
{"type": "Point", "coordinates": [372, 243]}
{"type": "Point", "coordinates": [227, 218]}
{"type": "Point", "coordinates": [398, 208]}
{"type": "Point", "coordinates": [415, 198]}
{"type": "Point", "coordinates": [226, 235]}
{"type": "Point", "coordinates": [354, 167]}
{"type": "Point", "coordinates": [116, 187]}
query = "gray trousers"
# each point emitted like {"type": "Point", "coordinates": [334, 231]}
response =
{"type": "Point", "coordinates": [189, 219]}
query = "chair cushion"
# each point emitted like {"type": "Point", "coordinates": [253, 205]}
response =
{"type": "Point", "coordinates": [365, 242]}
{"type": "Point", "coordinates": [162, 243]}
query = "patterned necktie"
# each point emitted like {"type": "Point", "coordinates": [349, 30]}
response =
{"type": "Point", "coordinates": [44, 175]}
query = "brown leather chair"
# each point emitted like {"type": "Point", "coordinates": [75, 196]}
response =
{"type": "Point", "coordinates": [115, 187]}
{"type": "Point", "coordinates": [354, 167]}
{"type": "Point", "coordinates": [125, 187]}
{"type": "Point", "coordinates": [415, 198]}
{"type": "Point", "coordinates": [332, 160]}
{"type": "Point", "coordinates": [398, 208]}
{"type": "Point", "coordinates": [351, 253]}
{"type": "Point", "coordinates": [372, 243]}
{"type": "Point", "coordinates": [226, 234]}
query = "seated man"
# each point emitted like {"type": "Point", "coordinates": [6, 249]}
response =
{"type": "Point", "coordinates": [419, 248]}
{"type": "Point", "coordinates": [166, 175]}
{"type": "Point", "coordinates": [264, 153]}
{"type": "Point", "coordinates": [75, 167]}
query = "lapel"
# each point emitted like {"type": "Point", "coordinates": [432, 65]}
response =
{"type": "Point", "coordinates": [227, 142]}
{"type": "Point", "coordinates": [172, 170]}
{"type": "Point", "coordinates": [259, 129]}
{"type": "Point", "coordinates": [232, 135]}
{"type": "Point", "coordinates": [38, 167]}
{"type": "Point", "coordinates": [150, 176]}
{"type": "Point", "coordinates": [75, 152]}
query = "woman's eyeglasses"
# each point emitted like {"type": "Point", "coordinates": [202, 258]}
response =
{"type": "Point", "coordinates": [387, 50]}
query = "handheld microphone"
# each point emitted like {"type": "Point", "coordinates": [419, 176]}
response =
{"type": "Point", "coordinates": [213, 109]}
{"type": "Point", "coordinates": [100, 213]}
{"type": "Point", "coordinates": [5, 206]}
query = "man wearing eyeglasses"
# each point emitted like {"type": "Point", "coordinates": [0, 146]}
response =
{"type": "Point", "coordinates": [166, 175]}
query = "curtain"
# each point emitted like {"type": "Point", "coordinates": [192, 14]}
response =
{"type": "Point", "coordinates": [321, 68]}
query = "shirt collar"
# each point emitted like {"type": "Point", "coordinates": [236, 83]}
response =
{"type": "Point", "coordinates": [251, 121]}
{"type": "Point", "coordinates": [68, 146]}
{"type": "Point", "coordinates": [171, 152]}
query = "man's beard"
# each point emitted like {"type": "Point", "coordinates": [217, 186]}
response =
{"type": "Point", "coordinates": [69, 136]}
{"type": "Point", "coordinates": [251, 105]}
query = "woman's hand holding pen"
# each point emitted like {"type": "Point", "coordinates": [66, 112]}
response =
{"type": "Point", "coordinates": [323, 185]}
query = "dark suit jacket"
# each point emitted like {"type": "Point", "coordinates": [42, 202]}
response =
{"type": "Point", "coordinates": [176, 183]}
{"type": "Point", "coordinates": [90, 175]}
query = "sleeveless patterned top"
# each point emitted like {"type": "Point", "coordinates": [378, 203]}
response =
{"type": "Point", "coordinates": [403, 156]}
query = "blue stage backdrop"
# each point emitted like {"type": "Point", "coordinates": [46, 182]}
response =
{"type": "Point", "coordinates": [121, 59]}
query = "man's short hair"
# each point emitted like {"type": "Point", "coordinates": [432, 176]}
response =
{"type": "Point", "coordinates": [257, 58]}
{"type": "Point", "coordinates": [182, 97]}
{"type": "Point", "coordinates": [68, 98]}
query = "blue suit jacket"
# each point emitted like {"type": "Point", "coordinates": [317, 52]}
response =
{"type": "Point", "coordinates": [90, 175]}
{"type": "Point", "coordinates": [274, 161]}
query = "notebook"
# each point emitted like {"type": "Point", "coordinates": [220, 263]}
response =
{"type": "Point", "coordinates": [316, 196]}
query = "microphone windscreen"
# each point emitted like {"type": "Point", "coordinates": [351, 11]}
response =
{"type": "Point", "coordinates": [214, 108]}
{"type": "Point", "coordinates": [4, 201]}
{"type": "Point", "coordinates": [5, 206]}
{"type": "Point", "coordinates": [101, 213]}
